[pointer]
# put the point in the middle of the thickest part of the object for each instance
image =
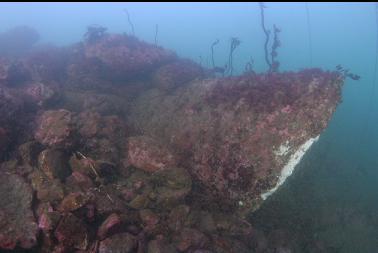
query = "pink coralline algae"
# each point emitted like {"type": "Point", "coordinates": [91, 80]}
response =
{"type": "Point", "coordinates": [126, 56]}
{"type": "Point", "coordinates": [228, 131]}
{"type": "Point", "coordinates": [123, 147]}
{"type": "Point", "coordinates": [55, 128]}
{"type": "Point", "coordinates": [146, 154]}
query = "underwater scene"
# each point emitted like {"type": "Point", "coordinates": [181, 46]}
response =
{"type": "Point", "coordinates": [189, 127]}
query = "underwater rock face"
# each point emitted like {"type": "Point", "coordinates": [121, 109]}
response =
{"type": "Point", "coordinates": [130, 149]}
{"type": "Point", "coordinates": [41, 93]}
{"type": "Point", "coordinates": [18, 226]}
{"type": "Point", "coordinates": [102, 137]}
{"type": "Point", "coordinates": [10, 105]}
{"type": "Point", "coordinates": [126, 56]}
{"type": "Point", "coordinates": [148, 155]}
{"type": "Point", "coordinates": [237, 134]}
{"type": "Point", "coordinates": [170, 76]}
{"type": "Point", "coordinates": [13, 73]}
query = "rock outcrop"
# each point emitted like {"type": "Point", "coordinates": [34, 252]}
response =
{"type": "Point", "coordinates": [116, 145]}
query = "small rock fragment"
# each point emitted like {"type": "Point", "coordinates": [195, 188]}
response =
{"type": "Point", "coordinates": [73, 201]}
{"type": "Point", "coordinates": [54, 164]}
{"type": "Point", "coordinates": [119, 243]}
{"type": "Point", "coordinates": [72, 232]}
{"type": "Point", "coordinates": [17, 223]}
{"type": "Point", "coordinates": [112, 222]}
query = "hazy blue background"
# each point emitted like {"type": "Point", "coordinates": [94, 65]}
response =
{"type": "Point", "coordinates": [341, 171]}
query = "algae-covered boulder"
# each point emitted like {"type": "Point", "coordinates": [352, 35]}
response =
{"type": "Point", "coordinates": [130, 149]}
{"type": "Point", "coordinates": [124, 242]}
{"type": "Point", "coordinates": [56, 129]}
{"type": "Point", "coordinates": [18, 226]}
{"type": "Point", "coordinates": [47, 190]}
{"type": "Point", "coordinates": [72, 233]}
{"type": "Point", "coordinates": [54, 164]}
{"type": "Point", "coordinates": [241, 136]}
{"type": "Point", "coordinates": [147, 154]}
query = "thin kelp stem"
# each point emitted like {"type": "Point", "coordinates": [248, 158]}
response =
{"type": "Point", "coordinates": [130, 23]}
{"type": "Point", "coordinates": [235, 42]}
{"type": "Point", "coordinates": [276, 44]}
{"type": "Point", "coordinates": [212, 52]}
{"type": "Point", "coordinates": [248, 68]}
{"type": "Point", "coordinates": [156, 33]}
{"type": "Point", "coordinates": [267, 34]}
{"type": "Point", "coordinates": [309, 32]}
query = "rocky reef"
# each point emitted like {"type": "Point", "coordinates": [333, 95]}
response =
{"type": "Point", "coordinates": [116, 145]}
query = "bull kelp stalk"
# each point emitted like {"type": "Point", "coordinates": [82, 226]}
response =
{"type": "Point", "coordinates": [272, 62]}
{"type": "Point", "coordinates": [248, 68]}
{"type": "Point", "coordinates": [276, 44]}
{"type": "Point", "coordinates": [266, 32]}
{"type": "Point", "coordinates": [130, 23]}
{"type": "Point", "coordinates": [235, 42]}
{"type": "Point", "coordinates": [212, 52]}
{"type": "Point", "coordinates": [156, 33]}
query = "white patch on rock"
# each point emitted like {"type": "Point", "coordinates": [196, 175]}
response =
{"type": "Point", "coordinates": [290, 166]}
{"type": "Point", "coordinates": [283, 149]}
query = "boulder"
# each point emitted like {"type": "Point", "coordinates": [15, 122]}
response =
{"type": "Point", "coordinates": [120, 243]}
{"type": "Point", "coordinates": [147, 154]}
{"type": "Point", "coordinates": [55, 128]}
{"type": "Point", "coordinates": [29, 151]}
{"type": "Point", "coordinates": [72, 233]}
{"type": "Point", "coordinates": [54, 164]}
{"type": "Point", "coordinates": [47, 190]}
{"type": "Point", "coordinates": [241, 137]}
{"type": "Point", "coordinates": [112, 222]}
{"type": "Point", "coordinates": [18, 226]}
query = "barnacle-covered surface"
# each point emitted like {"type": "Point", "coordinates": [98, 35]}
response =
{"type": "Point", "coordinates": [129, 148]}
